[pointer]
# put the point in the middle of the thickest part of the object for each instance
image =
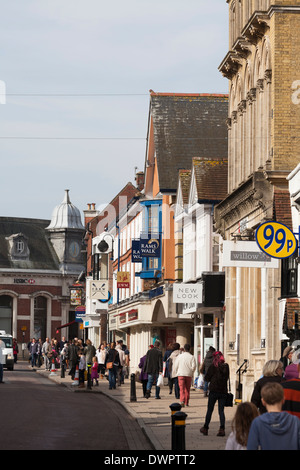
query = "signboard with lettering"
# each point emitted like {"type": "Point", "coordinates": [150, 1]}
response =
{"type": "Point", "coordinates": [123, 280]}
{"type": "Point", "coordinates": [150, 247]}
{"type": "Point", "coordinates": [98, 289]}
{"type": "Point", "coordinates": [187, 293]}
{"type": "Point", "coordinates": [136, 252]}
{"type": "Point", "coordinates": [276, 240]}
{"type": "Point", "coordinates": [245, 254]}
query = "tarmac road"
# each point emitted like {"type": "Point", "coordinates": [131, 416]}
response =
{"type": "Point", "coordinates": [38, 414]}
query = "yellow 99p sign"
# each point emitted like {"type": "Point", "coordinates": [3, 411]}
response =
{"type": "Point", "coordinates": [276, 239]}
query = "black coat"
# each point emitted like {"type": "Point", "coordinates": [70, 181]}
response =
{"type": "Point", "coordinates": [154, 362]}
{"type": "Point", "coordinates": [256, 395]}
{"type": "Point", "coordinates": [217, 378]}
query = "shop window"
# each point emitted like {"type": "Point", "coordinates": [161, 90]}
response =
{"type": "Point", "coordinates": [289, 276]}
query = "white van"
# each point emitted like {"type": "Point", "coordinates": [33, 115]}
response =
{"type": "Point", "coordinates": [7, 350]}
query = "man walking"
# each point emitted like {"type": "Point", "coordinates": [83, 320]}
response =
{"type": "Point", "coordinates": [153, 367]}
{"type": "Point", "coordinates": [185, 366]}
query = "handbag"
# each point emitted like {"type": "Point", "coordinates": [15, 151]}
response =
{"type": "Point", "coordinates": [229, 396]}
{"type": "Point", "coordinates": [109, 365]}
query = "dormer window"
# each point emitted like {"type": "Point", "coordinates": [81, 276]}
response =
{"type": "Point", "coordinates": [18, 247]}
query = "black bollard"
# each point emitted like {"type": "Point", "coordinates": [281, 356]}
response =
{"type": "Point", "coordinates": [175, 407]}
{"type": "Point", "coordinates": [62, 370]}
{"type": "Point", "coordinates": [89, 382]}
{"type": "Point", "coordinates": [132, 388]}
{"type": "Point", "coordinates": [179, 426]}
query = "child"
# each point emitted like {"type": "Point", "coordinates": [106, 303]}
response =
{"type": "Point", "coordinates": [94, 371]}
{"type": "Point", "coordinates": [82, 368]}
{"type": "Point", "coordinates": [245, 414]}
{"type": "Point", "coordinates": [276, 429]}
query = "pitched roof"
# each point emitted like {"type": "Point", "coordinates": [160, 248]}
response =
{"type": "Point", "coordinates": [211, 178]}
{"type": "Point", "coordinates": [185, 181]}
{"type": "Point", "coordinates": [187, 126]}
{"type": "Point", "coordinates": [41, 253]}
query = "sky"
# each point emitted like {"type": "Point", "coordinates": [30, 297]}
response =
{"type": "Point", "coordinates": [75, 79]}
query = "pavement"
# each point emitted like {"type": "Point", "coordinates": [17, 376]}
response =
{"type": "Point", "coordinates": [154, 416]}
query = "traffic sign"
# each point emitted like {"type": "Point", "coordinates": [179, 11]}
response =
{"type": "Point", "coordinates": [276, 240]}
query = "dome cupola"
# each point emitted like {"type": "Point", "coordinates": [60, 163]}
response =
{"type": "Point", "coordinates": [65, 215]}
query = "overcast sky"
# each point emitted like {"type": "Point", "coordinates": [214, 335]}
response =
{"type": "Point", "coordinates": [114, 52]}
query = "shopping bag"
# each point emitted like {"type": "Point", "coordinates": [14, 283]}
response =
{"type": "Point", "coordinates": [160, 381]}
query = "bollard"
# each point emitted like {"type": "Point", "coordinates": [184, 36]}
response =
{"type": "Point", "coordinates": [62, 370]}
{"type": "Point", "coordinates": [89, 383]}
{"type": "Point", "coordinates": [175, 407]}
{"type": "Point", "coordinates": [179, 426]}
{"type": "Point", "coordinates": [132, 388]}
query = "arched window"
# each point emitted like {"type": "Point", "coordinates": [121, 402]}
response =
{"type": "Point", "coordinates": [6, 313]}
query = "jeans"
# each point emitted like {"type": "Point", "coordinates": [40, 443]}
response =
{"type": "Point", "coordinates": [176, 387]}
{"type": "Point", "coordinates": [153, 378]}
{"type": "Point", "coordinates": [33, 359]}
{"type": "Point", "coordinates": [212, 398]}
{"type": "Point", "coordinates": [112, 377]}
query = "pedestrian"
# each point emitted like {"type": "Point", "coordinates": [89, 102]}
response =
{"type": "Point", "coordinates": [89, 351]}
{"type": "Point", "coordinates": [82, 368]}
{"type": "Point", "coordinates": [101, 355]}
{"type": "Point", "coordinates": [208, 360]}
{"type": "Point", "coordinates": [287, 356]}
{"type": "Point", "coordinates": [54, 353]}
{"type": "Point", "coordinates": [127, 361]}
{"type": "Point", "coordinates": [94, 371]}
{"type": "Point", "coordinates": [244, 415]}
{"type": "Point", "coordinates": [73, 357]}
{"type": "Point", "coordinates": [185, 365]}
{"type": "Point", "coordinates": [2, 360]}
{"type": "Point", "coordinates": [166, 367]}
{"type": "Point", "coordinates": [15, 350]}
{"type": "Point", "coordinates": [39, 357]}
{"type": "Point", "coordinates": [112, 363]}
{"type": "Point", "coordinates": [272, 372]}
{"type": "Point", "coordinates": [291, 371]}
{"type": "Point", "coordinates": [143, 375]}
{"type": "Point", "coordinates": [63, 355]}
{"type": "Point", "coordinates": [291, 390]}
{"type": "Point", "coordinates": [33, 348]}
{"type": "Point", "coordinates": [275, 429]}
{"type": "Point", "coordinates": [217, 376]}
{"type": "Point", "coordinates": [153, 367]}
{"type": "Point", "coordinates": [120, 372]}
{"type": "Point", "coordinates": [46, 352]}
{"type": "Point", "coordinates": [172, 371]}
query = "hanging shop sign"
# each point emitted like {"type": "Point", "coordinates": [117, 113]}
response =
{"type": "Point", "coordinates": [150, 247]}
{"type": "Point", "coordinates": [184, 293]}
{"type": "Point", "coordinates": [246, 254]}
{"type": "Point", "coordinates": [98, 289]}
{"type": "Point", "coordinates": [136, 252]}
{"type": "Point", "coordinates": [123, 280]}
{"type": "Point", "coordinates": [276, 240]}
{"type": "Point", "coordinates": [76, 295]}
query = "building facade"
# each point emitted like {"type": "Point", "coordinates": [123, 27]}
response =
{"type": "Point", "coordinates": [40, 261]}
{"type": "Point", "coordinates": [262, 67]}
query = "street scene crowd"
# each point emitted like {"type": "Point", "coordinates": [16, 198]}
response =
{"type": "Point", "coordinates": [270, 420]}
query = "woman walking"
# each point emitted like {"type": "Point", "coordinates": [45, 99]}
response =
{"type": "Point", "coordinates": [217, 376]}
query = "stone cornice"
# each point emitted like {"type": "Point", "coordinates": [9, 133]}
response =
{"type": "Point", "coordinates": [253, 195]}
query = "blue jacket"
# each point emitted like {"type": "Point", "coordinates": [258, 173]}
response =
{"type": "Point", "coordinates": [274, 431]}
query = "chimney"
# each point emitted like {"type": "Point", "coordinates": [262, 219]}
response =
{"type": "Point", "coordinates": [140, 180]}
{"type": "Point", "coordinates": [90, 212]}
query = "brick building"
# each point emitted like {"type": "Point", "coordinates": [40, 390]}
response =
{"type": "Point", "coordinates": [39, 262]}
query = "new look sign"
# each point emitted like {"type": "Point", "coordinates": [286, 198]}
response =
{"type": "Point", "coordinates": [187, 293]}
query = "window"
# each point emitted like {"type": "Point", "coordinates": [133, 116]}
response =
{"type": "Point", "coordinates": [151, 267]}
{"type": "Point", "coordinates": [289, 276]}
